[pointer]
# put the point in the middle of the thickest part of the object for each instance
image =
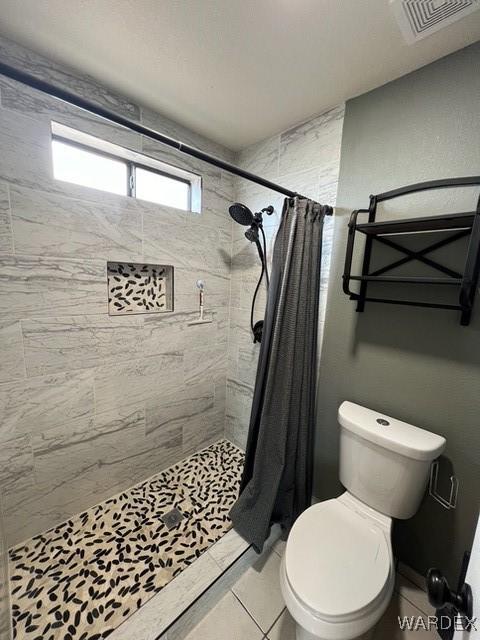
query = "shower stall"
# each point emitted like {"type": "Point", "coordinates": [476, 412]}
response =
{"type": "Point", "coordinates": [115, 471]}
{"type": "Point", "coordinates": [122, 426]}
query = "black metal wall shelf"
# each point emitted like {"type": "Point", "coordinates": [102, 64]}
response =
{"type": "Point", "coordinates": [459, 224]}
{"type": "Point", "coordinates": [413, 279]}
{"type": "Point", "coordinates": [415, 225]}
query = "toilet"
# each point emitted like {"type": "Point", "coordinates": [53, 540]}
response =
{"type": "Point", "coordinates": [337, 572]}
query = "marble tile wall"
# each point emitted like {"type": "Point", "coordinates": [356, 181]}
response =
{"type": "Point", "coordinates": [5, 630]}
{"type": "Point", "coordinates": [91, 404]}
{"type": "Point", "coordinates": [305, 159]}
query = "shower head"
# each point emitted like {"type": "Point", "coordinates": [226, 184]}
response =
{"type": "Point", "coordinates": [241, 214]}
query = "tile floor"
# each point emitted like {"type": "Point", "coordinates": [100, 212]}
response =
{"type": "Point", "coordinates": [183, 602]}
{"type": "Point", "coordinates": [253, 608]}
{"type": "Point", "coordinates": [83, 578]}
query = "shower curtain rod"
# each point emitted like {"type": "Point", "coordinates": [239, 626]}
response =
{"type": "Point", "coordinates": [77, 101]}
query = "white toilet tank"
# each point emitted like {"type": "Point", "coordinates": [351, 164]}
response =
{"type": "Point", "coordinates": [385, 462]}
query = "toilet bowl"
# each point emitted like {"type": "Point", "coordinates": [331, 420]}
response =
{"type": "Point", "coordinates": [337, 572]}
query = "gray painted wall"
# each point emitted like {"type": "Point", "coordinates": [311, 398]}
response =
{"type": "Point", "coordinates": [415, 364]}
{"type": "Point", "coordinates": [306, 158]}
{"type": "Point", "coordinates": [91, 404]}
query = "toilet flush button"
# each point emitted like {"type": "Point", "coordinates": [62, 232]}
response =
{"type": "Point", "coordinates": [383, 422]}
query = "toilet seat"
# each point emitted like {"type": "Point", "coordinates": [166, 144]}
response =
{"type": "Point", "coordinates": [337, 575]}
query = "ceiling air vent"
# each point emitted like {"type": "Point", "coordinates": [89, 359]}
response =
{"type": "Point", "coordinates": [420, 18]}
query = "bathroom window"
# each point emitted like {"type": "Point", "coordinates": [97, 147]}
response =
{"type": "Point", "coordinates": [81, 165]}
{"type": "Point", "coordinates": [155, 187]}
{"type": "Point", "coordinates": [91, 162]}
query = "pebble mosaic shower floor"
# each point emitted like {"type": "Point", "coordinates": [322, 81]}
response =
{"type": "Point", "coordinates": [82, 579]}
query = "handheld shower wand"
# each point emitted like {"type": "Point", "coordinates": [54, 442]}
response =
{"type": "Point", "coordinates": [242, 215]}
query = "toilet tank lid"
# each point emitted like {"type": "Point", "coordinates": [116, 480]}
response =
{"type": "Point", "coordinates": [390, 433]}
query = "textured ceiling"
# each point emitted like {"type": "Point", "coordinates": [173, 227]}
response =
{"type": "Point", "coordinates": [236, 71]}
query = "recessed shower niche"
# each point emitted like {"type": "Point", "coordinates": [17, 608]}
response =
{"type": "Point", "coordinates": [139, 288]}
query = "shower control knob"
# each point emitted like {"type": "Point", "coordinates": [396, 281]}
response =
{"type": "Point", "coordinates": [440, 594]}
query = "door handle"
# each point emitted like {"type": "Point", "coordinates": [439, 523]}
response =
{"type": "Point", "coordinates": [440, 594]}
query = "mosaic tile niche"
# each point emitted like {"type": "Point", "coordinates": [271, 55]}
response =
{"type": "Point", "coordinates": [139, 288]}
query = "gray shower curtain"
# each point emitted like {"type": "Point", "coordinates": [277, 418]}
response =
{"type": "Point", "coordinates": [276, 484]}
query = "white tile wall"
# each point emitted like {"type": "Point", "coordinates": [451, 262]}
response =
{"type": "Point", "coordinates": [305, 159]}
{"type": "Point", "coordinates": [50, 225]}
{"type": "Point", "coordinates": [303, 145]}
{"type": "Point", "coordinates": [4, 590]}
{"type": "Point", "coordinates": [5, 221]}
{"type": "Point", "coordinates": [37, 286]}
{"type": "Point", "coordinates": [90, 404]}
